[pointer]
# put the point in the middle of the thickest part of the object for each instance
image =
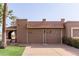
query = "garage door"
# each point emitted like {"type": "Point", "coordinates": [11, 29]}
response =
{"type": "Point", "coordinates": [48, 36]}
{"type": "Point", "coordinates": [53, 36]}
{"type": "Point", "coordinates": [35, 36]}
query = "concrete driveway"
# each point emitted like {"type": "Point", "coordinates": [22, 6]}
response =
{"type": "Point", "coordinates": [50, 50]}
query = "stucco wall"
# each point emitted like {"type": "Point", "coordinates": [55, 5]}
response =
{"type": "Point", "coordinates": [68, 26]}
{"type": "Point", "coordinates": [21, 31]}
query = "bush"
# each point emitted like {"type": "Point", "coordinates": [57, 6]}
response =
{"type": "Point", "coordinates": [71, 42]}
{"type": "Point", "coordinates": [76, 43]}
{"type": "Point", "coordinates": [67, 41]}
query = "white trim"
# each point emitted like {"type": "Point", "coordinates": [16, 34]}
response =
{"type": "Point", "coordinates": [72, 31]}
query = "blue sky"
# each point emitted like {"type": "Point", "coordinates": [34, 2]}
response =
{"type": "Point", "coordinates": [50, 11]}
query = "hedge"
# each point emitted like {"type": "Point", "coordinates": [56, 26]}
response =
{"type": "Point", "coordinates": [71, 42]}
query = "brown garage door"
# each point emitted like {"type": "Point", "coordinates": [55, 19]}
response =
{"type": "Point", "coordinates": [53, 36]}
{"type": "Point", "coordinates": [48, 36]}
{"type": "Point", "coordinates": [35, 36]}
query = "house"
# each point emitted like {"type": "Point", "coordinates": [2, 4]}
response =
{"type": "Point", "coordinates": [49, 32]}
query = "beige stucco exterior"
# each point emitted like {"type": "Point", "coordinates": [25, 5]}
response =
{"type": "Point", "coordinates": [21, 31]}
{"type": "Point", "coordinates": [68, 27]}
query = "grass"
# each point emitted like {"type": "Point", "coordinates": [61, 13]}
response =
{"type": "Point", "coordinates": [12, 51]}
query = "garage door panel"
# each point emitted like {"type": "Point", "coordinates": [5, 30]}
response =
{"type": "Point", "coordinates": [35, 36]}
{"type": "Point", "coordinates": [53, 36]}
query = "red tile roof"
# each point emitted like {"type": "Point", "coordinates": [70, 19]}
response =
{"type": "Point", "coordinates": [47, 24]}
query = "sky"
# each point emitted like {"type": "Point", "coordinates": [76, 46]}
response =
{"type": "Point", "coordinates": [50, 11]}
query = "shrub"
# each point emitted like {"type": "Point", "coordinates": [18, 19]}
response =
{"type": "Point", "coordinates": [76, 43]}
{"type": "Point", "coordinates": [67, 40]}
{"type": "Point", "coordinates": [71, 42]}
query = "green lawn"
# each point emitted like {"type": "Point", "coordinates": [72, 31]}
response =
{"type": "Point", "coordinates": [12, 51]}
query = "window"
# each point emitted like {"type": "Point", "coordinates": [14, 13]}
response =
{"type": "Point", "coordinates": [75, 32]}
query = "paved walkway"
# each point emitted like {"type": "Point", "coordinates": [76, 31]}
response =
{"type": "Point", "coordinates": [50, 50]}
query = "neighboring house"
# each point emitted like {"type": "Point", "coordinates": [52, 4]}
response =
{"type": "Point", "coordinates": [50, 32]}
